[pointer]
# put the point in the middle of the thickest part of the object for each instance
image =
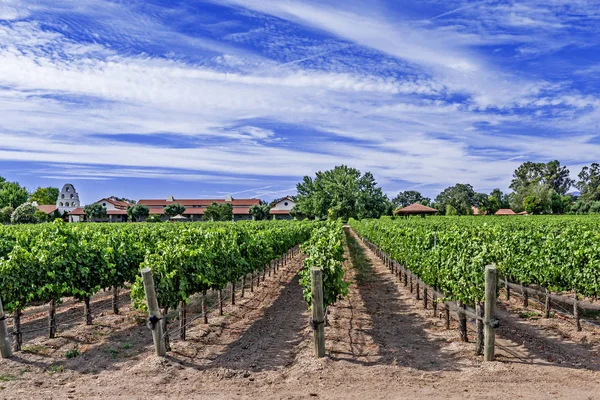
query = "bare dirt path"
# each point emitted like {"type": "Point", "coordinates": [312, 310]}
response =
{"type": "Point", "coordinates": [381, 344]}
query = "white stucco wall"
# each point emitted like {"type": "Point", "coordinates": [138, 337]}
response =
{"type": "Point", "coordinates": [285, 204]}
{"type": "Point", "coordinates": [68, 199]}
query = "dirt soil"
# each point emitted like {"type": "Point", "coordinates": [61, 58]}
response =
{"type": "Point", "coordinates": [381, 344]}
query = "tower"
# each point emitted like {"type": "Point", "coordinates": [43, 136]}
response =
{"type": "Point", "coordinates": [68, 199]}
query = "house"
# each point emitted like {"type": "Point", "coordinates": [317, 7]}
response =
{"type": "Point", "coordinates": [68, 200]}
{"type": "Point", "coordinates": [116, 211]}
{"type": "Point", "coordinates": [505, 211]}
{"type": "Point", "coordinates": [282, 207]}
{"type": "Point", "coordinates": [194, 208]}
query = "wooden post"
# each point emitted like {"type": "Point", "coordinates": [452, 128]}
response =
{"type": "Point", "coordinates": [405, 278]}
{"type": "Point", "coordinates": [220, 294]}
{"type": "Point", "coordinates": [447, 312]}
{"type": "Point", "coordinates": [243, 285]}
{"type": "Point", "coordinates": [525, 294]}
{"type": "Point", "coordinates": [507, 288]}
{"type": "Point", "coordinates": [462, 322]}
{"type": "Point", "coordinates": [115, 299]}
{"type": "Point", "coordinates": [425, 297]}
{"type": "Point", "coordinates": [182, 320]}
{"type": "Point", "coordinates": [411, 283]}
{"type": "Point", "coordinates": [418, 290]}
{"type": "Point", "coordinates": [233, 293]}
{"type": "Point", "coordinates": [316, 280]}
{"type": "Point", "coordinates": [87, 311]}
{"type": "Point", "coordinates": [52, 320]}
{"type": "Point", "coordinates": [490, 311]}
{"type": "Point", "coordinates": [155, 315]}
{"type": "Point", "coordinates": [251, 282]}
{"type": "Point", "coordinates": [576, 313]}
{"type": "Point", "coordinates": [434, 303]}
{"type": "Point", "coordinates": [547, 306]}
{"type": "Point", "coordinates": [165, 325]}
{"type": "Point", "coordinates": [204, 313]}
{"type": "Point", "coordinates": [17, 330]}
{"type": "Point", "coordinates": [479, 311]}
{"type": "Point", "coordinates": [5, 350]}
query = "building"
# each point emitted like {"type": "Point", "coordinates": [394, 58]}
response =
{"type": "Point", "coordinates": [505, 211]}
{"type": "Point", "coordinates": [116, 211]}
{"type": "Point", "coordinates": [68, 199]}
{"type": "Point", "coordinates": [281, 208]}
{"type": "Point", "coordinates": [194, 208]}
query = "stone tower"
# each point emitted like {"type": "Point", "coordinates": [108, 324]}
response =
{"type": "Point", "coordinates": [68, 199]}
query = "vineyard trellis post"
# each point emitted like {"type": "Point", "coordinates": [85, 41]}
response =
{"type": "Point", "coordinates": [155, 315]}
{"type": "Point", "coordinates": [318, 320]}
{"type": "Point", "coordinates": [489, 313]}
{"type": "Point", "coordinates": [5, 350]}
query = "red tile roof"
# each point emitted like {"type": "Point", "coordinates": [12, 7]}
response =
{"type": "Point", "coordinates": [77, 211]}
{"type": "Point", "coordinates": [279, 212]}
{"type": "Point", "coordinates": [116, 212]}
{"type": "Point", "coordinates": [199, 202]}
{"type": "Point", "coordinates": [47, 208]}
{"type": "Point", "coordinates": [417, 209]}
{"type": "Point", "coordinates": [116, 203]}
{"type": "Point", "coordinates": [505, 211]}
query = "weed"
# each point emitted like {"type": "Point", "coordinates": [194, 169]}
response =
{"type": "Point", "coordinates": [127, 345]}
{"type": "Point", "coordinates": [112, 353]}
{"type": "Point", "coordinates": [7, 378]}
{"type": "Point", "coordinates": [54, 368]}
{"type": "Point", "coordinates": [74, 352]}
{"type": "Point", "coordinates": [35, 349]}
{"type": "Point", "coordinates": [528, 314]}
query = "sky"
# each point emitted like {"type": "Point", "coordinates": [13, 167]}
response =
{"type": "Point", "coordinates": [201, 98]}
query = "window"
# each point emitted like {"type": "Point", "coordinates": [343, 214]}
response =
{"type": "Point", "coordinates": [285, 204]}
{"type": "Point", "coordinates": [62, 196]}
{"type": "Point", "coordinates": [61, 204]}
{"type": "Point", "coordinates": [103, 204]}
{"type": "Point", "coordinates": [73, 204]}
{"type": "Point", "coordinates": [67, 189]}
{"type": "Point", "coordinates": [71, 195]}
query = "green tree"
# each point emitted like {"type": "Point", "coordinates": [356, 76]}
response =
{"type": "Point", "coordinates": [409, 197]}
{"type": "Point", "coordinates": [5, 214]}
{"type": "Point", "coordinates": [533, 205]}
{"type": "Point", "coordinates": [138, 212]}
{"type": "Point", "coordinates": [218, 212]}
{"type": "Point", "coordinates": [460, 196]}
{"type": "Point", "coordinates": [47, 195]}
{"type": "Point", "coordinates": [539, 180]}
{"type": "Point", "coordinates": [174, 209]}
{"type": "Point", "coordinates": [451, 210]}
{"type": "Point", "coordinates": [24, 214]}
{"type": "Point", "coordinates": [12, 194]}
{"type": "Point", "coordinates": [41, 216]}
{"type": "Point", "coordinates": [589, 182]}
{"type": "Point", "coordinates": [260, 211]}
{"type": "Point", "coordinates": [343, 192]}
{"type": "Point", "coordinates": [94, 211]}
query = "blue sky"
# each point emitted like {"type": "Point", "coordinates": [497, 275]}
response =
{"type": "Point", "coordinates": [204, 98]}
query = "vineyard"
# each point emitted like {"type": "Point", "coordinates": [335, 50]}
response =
{"type": "Point", "coordinates": [561, 254]}
{"type": "Point", "coordinates": [46, 263]}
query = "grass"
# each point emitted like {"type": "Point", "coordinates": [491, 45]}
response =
{"type": "Point", "coordinates": [360, 261]}
{"type": "Point", "coordinates": [72, 353]}
{"type": "Point", "coordinates": [54, 368]}
{"type": "Point", "coordinates": [35, 349]}
{"type": "Point", "coordinates": [127, 345]}
{"type": "Point", "coordinates": [7, 378]}
{"type": "Point", "coordinates": [528, 314]}
{"type": "Point", "coordinates": [112, 353]}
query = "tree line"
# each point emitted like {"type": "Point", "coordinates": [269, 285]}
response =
{"type": "Point", "coordinates": [537, 188]}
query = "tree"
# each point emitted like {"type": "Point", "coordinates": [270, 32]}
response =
{"type": "Point", "coordinates": [342, 193]}
{"type": "Point", "coordinates": [24, 214]}
{"type": "Point", "coordinates": [494, 201]}
{"type": "Point", "coordinates": [154, 218]}
{"type": "Point", "coordinates": [533, 205]}
{"type": "Point", "coordinates": [460, 196]}
{"type": "Point", "coordinates": [589, 182]}
{"type": "Point", "coordinates": [451, 210]}
{"type": "Point", "coordinates": [552, 174]}
{"type": "Point", "coordinates": [218, 212]}
{"type": "Point", "coordinates": [94, 211]}
{"type": "Point", "coordinates": [174, 209]}
{"type": "Point", "coordinates": [40, 216]}
{"type": "Point", "coordinates": [12, 194]}
{"type": "Point", "coordinates": [47, 195]}
{"type": "Point", "coordinates": [5, 214]}
{"type": "Point", "coordinates": [260, 211]}
{"type": "Point", "coordinates": [409, 197]}
{"type": "Point", "coordinates": [138, 212]}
